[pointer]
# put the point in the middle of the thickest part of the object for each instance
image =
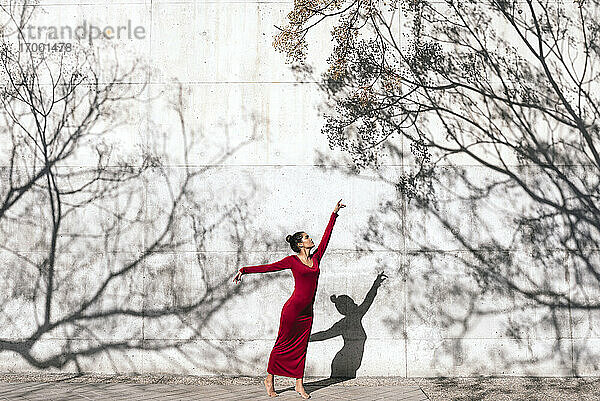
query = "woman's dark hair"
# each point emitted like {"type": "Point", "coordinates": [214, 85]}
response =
{"type": "Point", "coordinates": [294, 239]}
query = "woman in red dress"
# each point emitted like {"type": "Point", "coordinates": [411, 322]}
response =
{"type": "Point", "coordinates": [289, 353]}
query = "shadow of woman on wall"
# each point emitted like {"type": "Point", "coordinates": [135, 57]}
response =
{"type": "Point", "coordinates": [347, 361]}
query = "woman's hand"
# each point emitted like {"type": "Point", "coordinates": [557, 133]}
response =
{"type": "Point", "coordinates": [338, 206]}
{"type": "Point", "coordinates": [238, 277]}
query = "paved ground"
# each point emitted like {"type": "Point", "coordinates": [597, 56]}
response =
{"type": "Point", "coordinates": [48, 387]}
{"type": "Point", "coordinates": [131, 392]}
{"type": "Point", "coordinates": [119, 391]}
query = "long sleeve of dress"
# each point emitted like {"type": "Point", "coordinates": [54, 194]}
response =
{"type": "Point", "coordinates": [325, 239]}
{"type": "Point", "coordinates": [271, 267]}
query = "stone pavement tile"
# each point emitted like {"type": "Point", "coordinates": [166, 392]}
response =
{"type": "Point", "coordinates": [89, 391]}
{"type": "Point", "coordinates": [370, 393]}
{"type": "Point", "coordinates": [6, 389]}
{"type": "Point", "coordinates": [117, 390]}
{"type": "Point", "coordinates": [16, 390]}
{"type": "Point", "coordinates": [53, 392]}
{"type": "Point", "coordinates": [10, 389]}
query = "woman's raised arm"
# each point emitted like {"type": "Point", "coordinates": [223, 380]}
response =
{"type": "Point", "coordinates": [325, 239]}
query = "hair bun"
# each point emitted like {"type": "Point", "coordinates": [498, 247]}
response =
{"type": "Point", "coordinates": [288, 238]}
{"type": "Point", "coordinates": [333, 298]}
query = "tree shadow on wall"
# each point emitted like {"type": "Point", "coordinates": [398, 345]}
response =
{"type": "Point", "coordinates": [346, 362]}
{"type": "Point", "coordinates": [91, 235]}
{"type": "Point", "coordinates": [506, 172]}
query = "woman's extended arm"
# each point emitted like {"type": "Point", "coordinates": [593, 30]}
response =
{"type": "Point", "coordinates": [271, 267]}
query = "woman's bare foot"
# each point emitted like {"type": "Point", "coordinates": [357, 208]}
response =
{"type": "Point", "coordinates": [302, 392]}
{"type": "Point", "coordinates": [270, 388]}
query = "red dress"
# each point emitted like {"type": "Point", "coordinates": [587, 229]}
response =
{"type": "Point", "coordinates": [289, 353]}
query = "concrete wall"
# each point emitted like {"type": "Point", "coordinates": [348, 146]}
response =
{"type": "Point", "coordinates": [175, 310]}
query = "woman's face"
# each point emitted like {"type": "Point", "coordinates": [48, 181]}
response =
{"type": "Point", "coordinates": [307, 242]}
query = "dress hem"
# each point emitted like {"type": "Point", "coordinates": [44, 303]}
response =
{"type": "Point", "coordinates": [285, 375]}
